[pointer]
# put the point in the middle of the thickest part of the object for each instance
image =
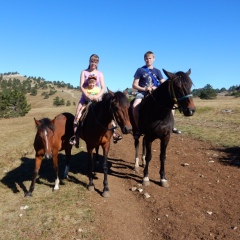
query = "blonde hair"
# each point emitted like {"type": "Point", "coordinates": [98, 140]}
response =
{"type": "Point", "coordinates": [148, 53]}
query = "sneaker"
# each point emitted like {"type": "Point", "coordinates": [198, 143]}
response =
{"type": "Point", "coordinates": [74, 141]}
{"type": "Point", "coordinates": [116, 137]}
{"type": "Point", "coordinates": [175, 130]}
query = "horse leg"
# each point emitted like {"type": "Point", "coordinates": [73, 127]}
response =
{"type": "Point", "coordinates": [90, 170]}
{"type": "Point", "coordinates": [97, 157]}
{"type": "Point", "coordinates": [55, 166]}
{"type": "Point", "coordinates": [136, 145]}
{"type": "Point", "coordinates": [38, 161]}
{"type": "Point", "coordinates": [164, 143]}
{"type": "Point", "coordinates": [105, 170]}
{"type": "Point", "coordinates": [68, 156]}
{"type": "Point", "coordinates": [148, 145]}
{"type": "Point", "coordinates": [144, 152]}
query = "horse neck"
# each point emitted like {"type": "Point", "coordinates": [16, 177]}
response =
{"type": "Point", "coordinates": [162, 97]}
{"type": "Point", "coordinates": [103, 112]}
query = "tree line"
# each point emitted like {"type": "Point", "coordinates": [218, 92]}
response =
{"type": "Point", "coordinates": [13, 101]}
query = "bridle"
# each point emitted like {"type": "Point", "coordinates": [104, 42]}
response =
{"type": "Point", "coordinates": [173, 95]}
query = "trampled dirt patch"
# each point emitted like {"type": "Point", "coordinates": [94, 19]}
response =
{"type": "Point", "coordinates": [202, 201]}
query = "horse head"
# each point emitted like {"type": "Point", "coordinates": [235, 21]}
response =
{"type": "Point", "coordinates": [180, 91]}
{"type": "Point", "coordinates": [120, 106]}
{"type": "Point", "coordinates": [44, 136]}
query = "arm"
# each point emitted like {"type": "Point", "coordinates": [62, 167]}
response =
{"type": "Point", "coordinates": [141, 89]}
{"type": "Point", "coordinates": [82, 79]}
{"type": "Point", "coordinates": [102, 84]}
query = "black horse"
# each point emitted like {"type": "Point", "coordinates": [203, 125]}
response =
{"type": "Point", "coordinates": [156, 119]}
{"type": "Point", "coordinates": [96, 129]}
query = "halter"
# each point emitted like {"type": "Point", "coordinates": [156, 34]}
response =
{"type": "Point", "coordinates": [172, 92]}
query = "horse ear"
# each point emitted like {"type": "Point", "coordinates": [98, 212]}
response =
{"type": "Point", "coordinates": [188, 72]}
{"type": "Point", "coordinates": [37, 122]}
{"type": "Point", "coordinates": [168, 74]}
{"type": "Point", "coordinates": [110, 92]}
{"type": "Point", "coordinates": [53, 121]}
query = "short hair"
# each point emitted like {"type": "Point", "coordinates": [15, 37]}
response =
{"type": "Point", "coordinates": [148, 53]}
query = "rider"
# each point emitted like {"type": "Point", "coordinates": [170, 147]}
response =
{"type": "Point", "coordinates": [146, 79]}
{"type": "Point", "coordinates": [91, 70]}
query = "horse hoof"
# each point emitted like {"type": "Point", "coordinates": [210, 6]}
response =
{"type": "Point", "coordinates": [106, 194]}
{"type": "Point", "coordinates": [91, 188]}
{"type": "Point", "coordinates": [28, 194]}
{"type": "Point", "coordinates": [164, 183]}
{"type": "Point", "coordinates": [145, 183]}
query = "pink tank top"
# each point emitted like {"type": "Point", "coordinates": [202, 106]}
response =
{"type": "Point", "coordinates": [86, 74]}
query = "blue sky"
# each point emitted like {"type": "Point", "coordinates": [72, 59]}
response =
{"type": "Point", "coordinates": [53, 39]}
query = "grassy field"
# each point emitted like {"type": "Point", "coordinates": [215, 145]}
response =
{"type": "Point", "coordinates": [46, 217]}
{"type": "Point", "coordinates": [217, 121]}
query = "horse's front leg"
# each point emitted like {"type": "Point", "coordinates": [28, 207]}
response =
{"type": "Point", "coordinates": [38, 161]}
{"type": "Point", "coordinates": [136, 146]}
{"type": "Point", "coordinates": [105, 169]}
{"type": "Point", "coordinates": [55, 167]}
{"type": "Point", "coordinates": [164, 143]}
{"type": "Point", "coordinates": [90, 169]}
{"type": "Point", "coordinates": [148, 145]}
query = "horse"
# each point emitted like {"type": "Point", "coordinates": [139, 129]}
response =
{"type": "Point", "coordinates": [51, 137]}
{"type": "Point", "coordinates": [96, 130]}
{"type": "Point", "coordinates": [156, 119]}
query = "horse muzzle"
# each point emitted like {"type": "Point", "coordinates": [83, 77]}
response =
{"type": "Point", "coordinates": [126, 129]}
{"type": "Point", "coordinates": [188, 112]}
{"type": "Point", "coordinates": [48, 155]}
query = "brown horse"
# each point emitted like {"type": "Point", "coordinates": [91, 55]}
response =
{"type": "Point", "coordinates": [156, 119]}
{"type": "Point", "coordinates": [52, 136]}
{"type": "Point", "coordinates": [96, 129]}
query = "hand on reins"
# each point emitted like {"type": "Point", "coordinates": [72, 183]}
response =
{"type": "Point", "coordinates": [149, 89]}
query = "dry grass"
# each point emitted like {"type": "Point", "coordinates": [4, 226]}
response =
{"type": "Point", "coordinates": [212, 123]}
{"type": "Point", "coordinates": [66, 214]}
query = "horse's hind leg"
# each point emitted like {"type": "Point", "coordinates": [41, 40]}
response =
{"type": "Point", "coordinates": [38, 161]}
{"type": "Point", "coordinates": [144, 152]}
{"type": "Point", "coordinates": [68, 156]}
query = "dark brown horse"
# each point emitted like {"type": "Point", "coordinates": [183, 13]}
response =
{"type": "Point", "coordinates": [52, 136]}
{"type": "Point", "coordinates": [96, 130]}
{"type": "Point", "coordinates": [156, 119]}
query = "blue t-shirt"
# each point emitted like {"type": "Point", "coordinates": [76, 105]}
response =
{"type": "Point", "coordinates": [145, 79]}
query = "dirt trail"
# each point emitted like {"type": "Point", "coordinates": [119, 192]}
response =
{"type": "Point", "coordinates": [202, 201]}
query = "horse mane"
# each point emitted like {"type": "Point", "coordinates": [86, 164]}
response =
{"type": "Point", "coordinates": [183, 81]}
{"type": "Point", "coordinates": [45, 123]}
{"type": "Point", "coordinates": [118, 96]}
